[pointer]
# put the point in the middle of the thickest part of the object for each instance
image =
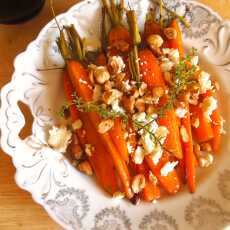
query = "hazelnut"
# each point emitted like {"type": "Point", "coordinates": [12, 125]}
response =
{"type": "Point", "coordinates": [108, 86]}
{"type": "Point", "coordinates": [184, 96]}
{"type": "Point", "coordinates": [155, 41]}
{"type": "Point", "coordinates": [142, 89]}
{"type": "Point", "coordinates": [140, 105]}
{"type": "Point", "coordinates": [105, 126]}
{"type": "Point", "coordinates": [194, 88]}
{"type": "Point", "coordinates": [77, 124]}
{"type": "Point", "coordinates": [85, 167]}
{"type": "Point", "coordinates": [138, 183]}
{"type": "Point", "coordinates": [206, 161]}
{"type": "Point", "coordinates": [89, 149]}
{"type": "Point", "coordinates": [206, 147]}
{"type": "Point", "coordinates": [150, 109]}
{"type": "Point", "coordinates": [119, 80]}
{"type": "Point", "coordinates": [128, 103]}
{"type": "Point", "coordinates": [101, 74]}
{"type": "Point", "coordinates": [118, 195]}
{"type": "Point", "coordinates": [97, 92]}
{"type": "Point", "coordinates": [170, 33]}
{"type": "Point", "coordinates": [152, 178]}
{"type": "Point", "coordinates": [116, 64]}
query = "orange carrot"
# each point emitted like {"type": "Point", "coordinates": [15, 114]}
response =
{"type": "Point", "coordinates": [118, 136]}
{"type": "Point", "coordinates": [204, 132]}
{"type": "Point", "coordinates": [151, 27]}
{"type": "Point", "coordinates": [105, 173]}
{"type": "Point", "coordinates": [80, 80]}
{"type": "Point", "coordinates": [150, 69]}
{"type": "Point", "coordinates": [101, 59]}
{"type": "Point", "coordinates": [216, 124]}
{"type": "Point", "coordinates": [216, 127]}
{"type": "Point", "coordinates": [171, 182]}
{"type": "Point", "coordinates": [172, 142]}
{"type": "Point", "coordinates": [177, 42]}
{"type": "Point", "coordinates": [117, 34]}
{"type": "Point", "coordinates": [189, 158]}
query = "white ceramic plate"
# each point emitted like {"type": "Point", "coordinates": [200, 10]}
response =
{"type": "Point", "coordinates": [72, 199]}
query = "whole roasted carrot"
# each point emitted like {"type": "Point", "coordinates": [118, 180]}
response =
{"type": "Point", "coordinates": [151, 27]}
{"type": "Point", "coordinates": [105, 173]}
{"type": "Point", "coordinates": [172, 142]}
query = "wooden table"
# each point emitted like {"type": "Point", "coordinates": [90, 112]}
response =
{"type": "Point", "coordinates": [17, 210]}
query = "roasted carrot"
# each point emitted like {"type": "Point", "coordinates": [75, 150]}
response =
{"type": "Point", "coordinates": [151, 190]}
{"type": "Point", "coordinates": [204, 131]}
{"type": "Point", "coordinates": [80, 80]}
{"type": "Point", "coordinates": [177, 42]}
{"type": "Point", "coordinates": [216, 124]}
{"type": "Point", "coordinates": [101, 59]}
{"type": "Point", "coordinates": [149, 69]}
{"type": "Point", "coordinates": [189, 158]}
{"type": "Point", "coordinates": [105, 173]}
{"type": "Point", "coordinates": [216, 127]}
{"type": "Point", "coordinates": [118, 136]}
{"type": "Point", "coordinates": [151, 27]}
{"type": "Point", "coordinates": [171, 182]}
{"type": "Point", "coordinates": [172, 142]}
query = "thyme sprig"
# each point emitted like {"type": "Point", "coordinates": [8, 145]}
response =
{"type": "Point", "coordinates": [146, 128]}
{"type": "Point", "coordinates": [98, 108]}
{"type": "Point", "coordinates": [183, 77]}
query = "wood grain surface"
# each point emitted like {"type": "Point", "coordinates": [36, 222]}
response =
{"type": "Point", "coordinates": [17, 209]}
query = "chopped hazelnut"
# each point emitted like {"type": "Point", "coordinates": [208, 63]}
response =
{"type": "Point", "coordinates": [101, 74]}
{"type": "Point", "coordinates": [140, 105]}
{"type": "Point", "coordinates": [155, 41]}
{"type": "Point", "coordinates": [170, 33]}
{"type": "Point", "coordinates": [108, 86]}
{"type": "Point", "coordinates": [150, 109]}
{"type": "Point", "coordinates": [85, 167]}
{"type": "Point", "coordinates": [97, 92]}
{"type": "Point", "coordinates": [195, 122]}
{"type": "Point", "coordinates": [206, 147]}
{"type": "Point", "coordinates": [128, 103]}
{"type": "Point", "coordinates": [206, 161]}
{"type": "Point", "coordinates": [138, 183]}
{"type": "Point", "coordinates": [197, 151]}
{"type": "Point", "coordinates": [105, 126]}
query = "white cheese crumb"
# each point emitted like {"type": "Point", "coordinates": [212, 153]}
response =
{"type": "Point", "coordinates": [194, 60]}
{"type": "Point", "coordinates": [130, 148]}
{"type": "Point", "coordinates": [126, 86]}
{"type": "Point", "coordinates": [147, 142]}
{"type": "Point", "coordinates": [117, 64]}
{"type": "Point", "coordinates": [168, 167]}
{"type": "Point", "coordinates": [157, 154]}
{"type": "Point", "coordinates": [139, 117]}
{"type": "Point", "coordinates": [166, 65]}
{"type": "Point", "coordinates": [184, 134]}
{"type": "Point", "coordinates": [173, 54]}
{"type": "Point", "coordinates": [196, 123]}
{"type": "Point", "coordinates": [138, 155]}
{"type": "Point", "coordinates": [204, 81]}
{"type": "Point", "coordinates": [181, 112]}
{"type": "Point", "coordinates": [116, 107]}
{"type": "Point", "coordinates": [59, 138]}
{"type": "Point", "coordinates": [208, 105]}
